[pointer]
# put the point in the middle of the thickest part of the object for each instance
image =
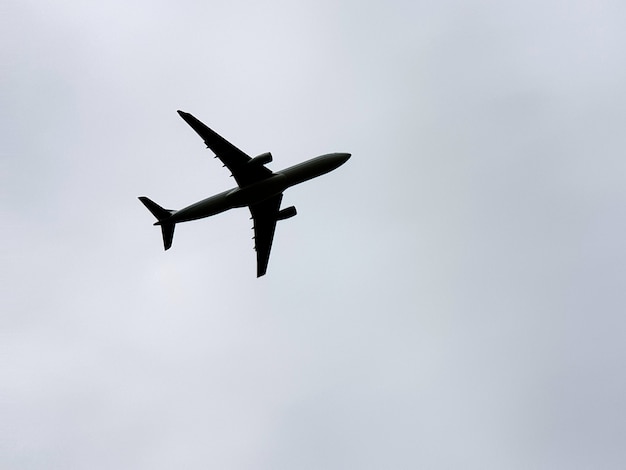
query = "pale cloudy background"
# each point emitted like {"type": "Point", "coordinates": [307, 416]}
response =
{"type": "Point", "coordinates": [452, 297]}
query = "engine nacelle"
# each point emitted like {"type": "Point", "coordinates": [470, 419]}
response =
{"type": "Point", "coordinates": [286, 213]}
{"type": "Point", "coordinates": [262, 159]}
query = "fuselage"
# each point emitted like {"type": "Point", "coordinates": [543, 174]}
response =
{"type": "Point", "coordinates": [260, 191]}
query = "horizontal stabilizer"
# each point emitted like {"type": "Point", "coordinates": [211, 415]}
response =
{"type": "Point", "coordinates": [157, 211]}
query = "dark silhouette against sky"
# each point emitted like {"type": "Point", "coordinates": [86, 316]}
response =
{"type": "Point", "coordinates": [260, 189]}
{"type": "Point", "coordinates": [451, 298]}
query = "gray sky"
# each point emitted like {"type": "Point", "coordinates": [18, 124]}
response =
{"type": "Point", "coordinates": [452, 297]}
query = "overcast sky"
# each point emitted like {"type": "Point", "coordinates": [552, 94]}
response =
{"type": "Point", "coordinates": [452, 297]}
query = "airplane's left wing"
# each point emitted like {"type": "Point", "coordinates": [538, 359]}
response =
{"type": "Point", "coordinates": [238, 162]}
{"type": "Point", "coordinates": [265, 216]}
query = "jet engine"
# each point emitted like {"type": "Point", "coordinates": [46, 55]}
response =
{"type": "Point", "coordinates": [262, 159]}
{"type": "Point", "coordinates": [286, 213]}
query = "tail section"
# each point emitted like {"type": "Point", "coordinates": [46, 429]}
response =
{"type": "Point", "coordinates": [167, 229]}
{"type": "Point", "coordinates": [157, 211]}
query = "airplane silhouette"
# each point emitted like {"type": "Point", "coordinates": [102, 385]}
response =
{"type": "Point", "coordinates": [259, 188]}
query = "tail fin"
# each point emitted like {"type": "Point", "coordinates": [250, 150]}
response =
{"type": "Point", "coordinates": [167, 229]}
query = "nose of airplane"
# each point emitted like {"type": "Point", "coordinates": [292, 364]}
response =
{"type": "Point", "coordinates": [343, 157]}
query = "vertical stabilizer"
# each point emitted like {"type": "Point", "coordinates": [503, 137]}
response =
{"type": "Point", "coordinates": [168, 235]}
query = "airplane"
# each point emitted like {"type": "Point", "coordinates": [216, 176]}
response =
{"type": "Point", "coordinates": [258, 188]}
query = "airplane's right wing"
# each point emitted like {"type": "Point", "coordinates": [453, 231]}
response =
{"type": "Point", "coordinates": [265, 216]}
{"type": "Point", "coordinates": [238, 162]}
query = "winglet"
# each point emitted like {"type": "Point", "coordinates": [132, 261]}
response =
{"type": "Point", "coordinates": [190, 119]}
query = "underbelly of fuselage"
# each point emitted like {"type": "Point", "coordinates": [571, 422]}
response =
{"type": "Point", "coordinates": [257, 192]}
{"type": "Point", "coordinates": [236, 197]}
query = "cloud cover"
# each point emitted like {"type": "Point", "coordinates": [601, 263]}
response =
{"type": "Point", "coordinates": [451, 297]}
